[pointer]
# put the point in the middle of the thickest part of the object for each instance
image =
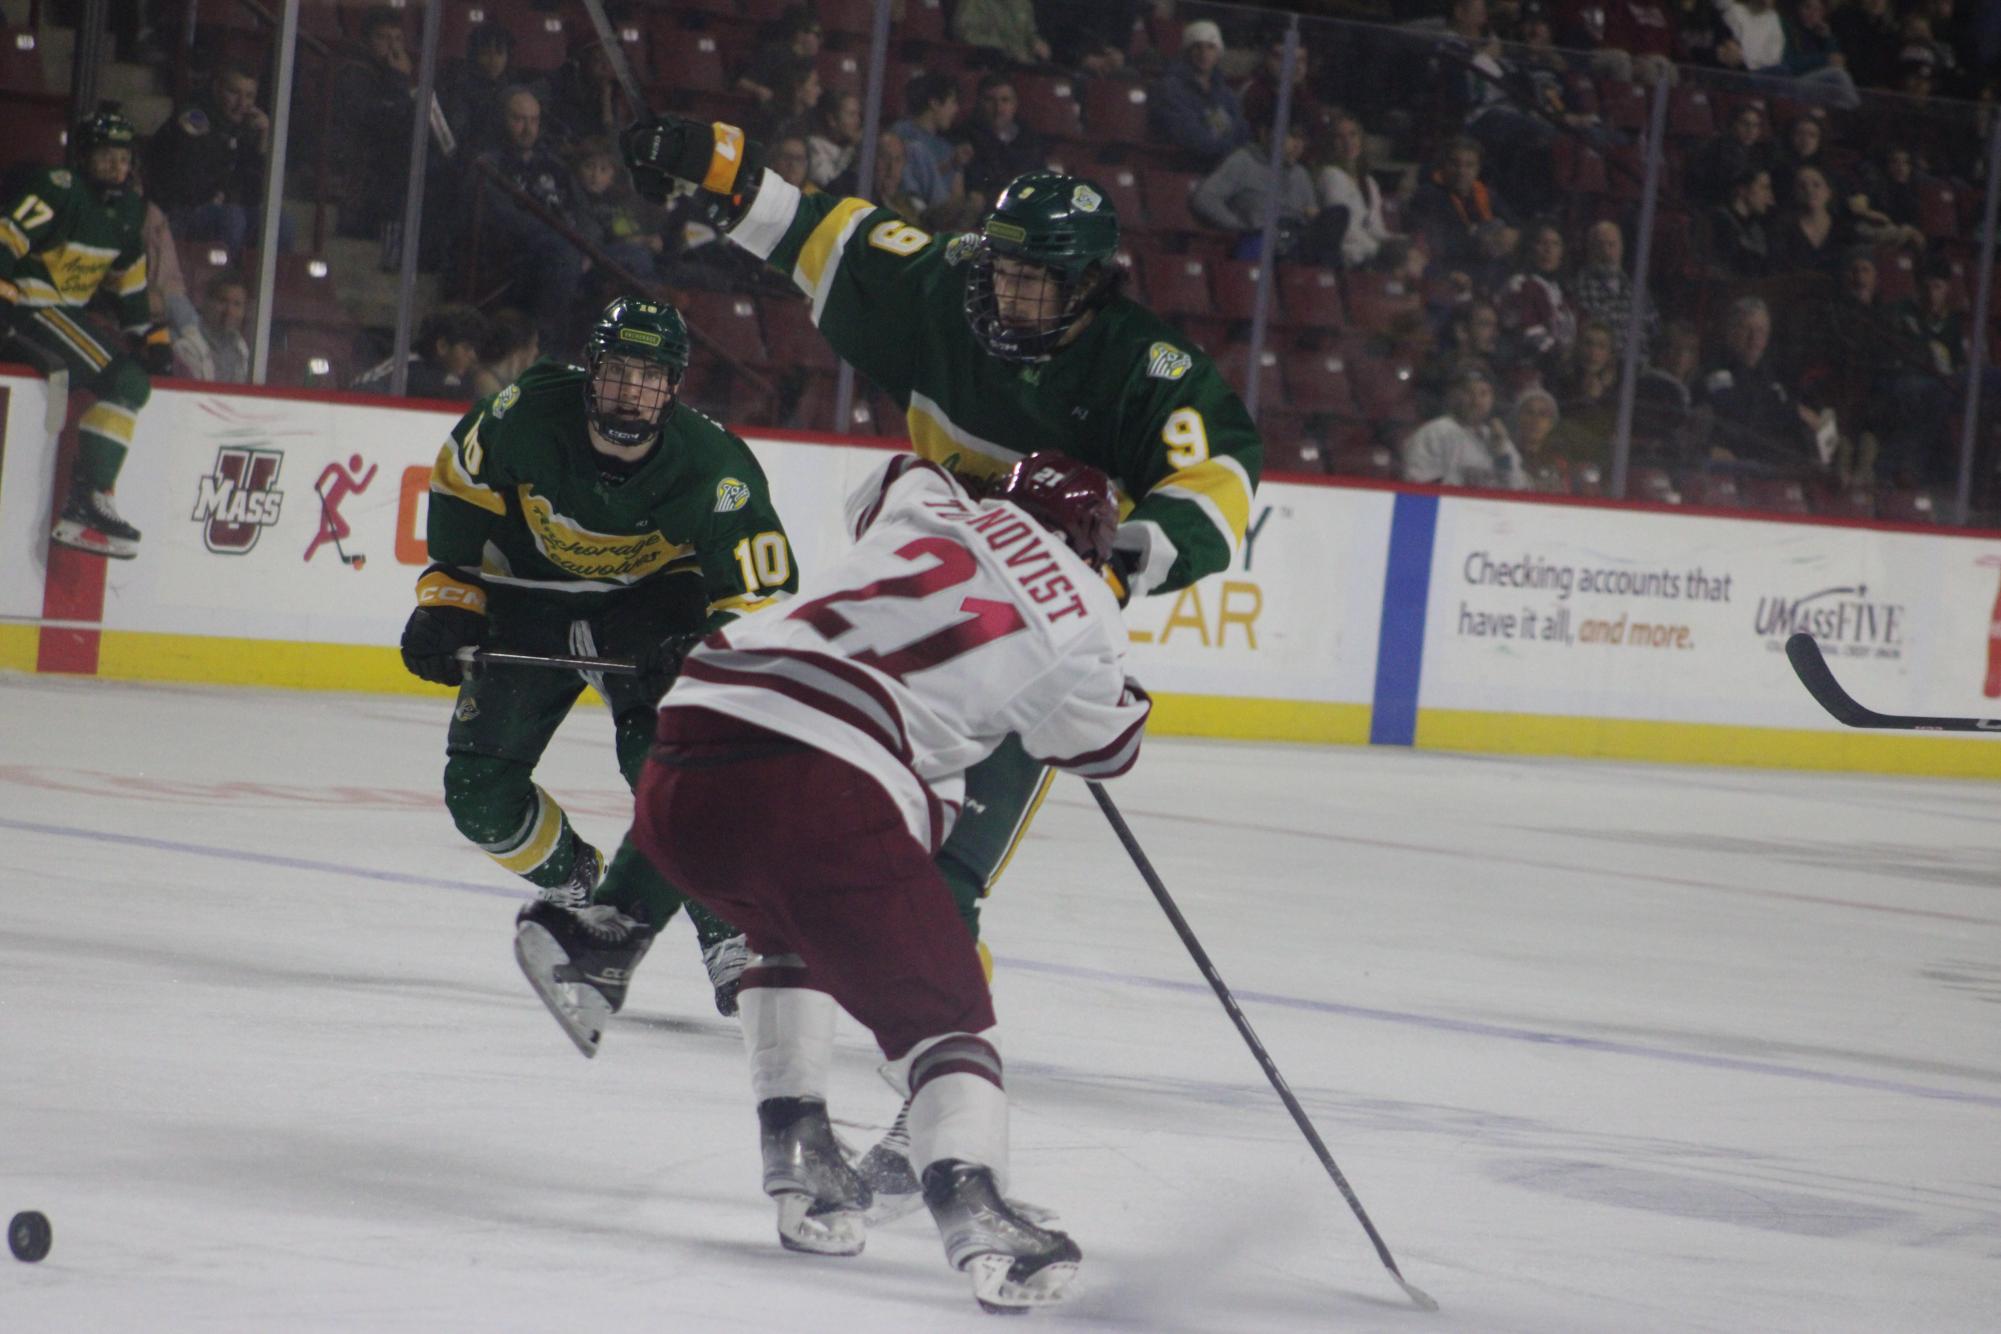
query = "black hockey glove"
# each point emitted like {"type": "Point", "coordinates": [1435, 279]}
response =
{"type": "Point", "coordinates": [156, 350]}
{"type": "Point", "coordinates": [721, 166]}
{"type": "Point", "coordinates": [660, 662]}
{"type": "Point", "coordinates": [450, 615]}
{"type": "Point", "coordinates": [1119, 574]}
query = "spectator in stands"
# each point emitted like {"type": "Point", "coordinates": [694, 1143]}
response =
{"type": "Point", "coordinates": [1602, 290]}
{"type": "Point", "coordinates": [1588, 389]}
{"type": "Point", "coordinates": [1532, 303]}
{"type": "Point", "coordinates": [214, 349]}
{"type": "Point", "coordinates": [1003, 26]}
{"type": "Point", "coordinates": [1853, 352]}
{"type": "Point", "coordinates": [795, 100]}
{"type": "Point", "coordinates": [1342, 179]}
{"type": "Point", "coordinates": [1870, 36]}
{"type": "Point", "coordinates": [1893, 190]}
{"type": "Point", "coordinates": [546, 270]}
{"type": "Point", "coordinates": [585, 100]}
{"type": "Point", "coordinates": [889, 191]}
{"type": "Point", "coordinates": [834, 143]}
{"type": "Point", "coordinates": [1235, 195]}
{"type": "Point", "coordinates": [1700, 37]}
{"type": "Point", "coordinates": [1191, 107]}
{"type": "Point", "coordinates": [1513, 103]}
{"type": "Point", "coordinates": [1259, 96]}
{"type": "Point", "coordinates": [166, 289]}
{"type": "Point", "coordinates": [1628, 39]}
{"type": "Point", "coordinates": [1452, 205]}
{"type": "Point", "coordinates": [1665, 424]}
{"type": "Point", "coordinates": [1813, 236]}
{"type": "Point", "coordinates": [1925, 389]}
{"type": "Point", "coordinates": [795, 37]}
{"type": "Point", "coordinates": [1814, 55]}
{"type": "Point", "coordinates": [934, 166]}
{"type": "Point", "coordinates": [376, 108]}
{"type": "Point", "coordinates": [205, 166]}
{"type": "Point", "coordinates": [1473, 337]}
{"type": "Point", "coordinates": [509, 348]}
{"type": "Point", "coordinates": [469, 89]}
{"type": "Point", "coordinates": [1739, 246]}
{"type": "Point", "coordinates": [1533, 422]}
{"type": "Point", "coordinates": [1089, 38]}
{"type": "Point", "coordinates": [1720, 163]}
{"type": "Point", "coordinates": [1003, 148]}
{"type": "Point", "coordinates": [1813, 70]}
{"type": "Point", "coordinates": [1805, 146]}
{"type": "Point", "coordinates": [442, 360]}
{"type": "Point", "coordinates": [1468, 445]}
{"type": "Point", "coordinates": [611, 213]}
{"type": "Point", "coordinates": [1755, 417]}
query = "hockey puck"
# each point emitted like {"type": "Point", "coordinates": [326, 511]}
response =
{"type": "Point", "coordinates": [28, 1235]}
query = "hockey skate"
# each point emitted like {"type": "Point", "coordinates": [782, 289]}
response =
{"type": "Point", "coordinates": [894, 1184]}
{"type": "Point", "coordinates": [575, 892]}
{"type": "Point", "coordinates": [726, 960]}
{"type": "Point", "coordinates": [579, 963]}
{"type": "Point", "coordinates": [821, 1202]}
{"type": "Point", "coordinates": [89, 523]}
{"type": "Point", "coordinates": [1014, 1264]}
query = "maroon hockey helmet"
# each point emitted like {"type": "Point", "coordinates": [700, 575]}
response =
{"type": "Point", "coordinates": [1074, 499]}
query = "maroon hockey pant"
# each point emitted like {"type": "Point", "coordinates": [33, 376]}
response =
{"type": "Point", "coordinates": [808, 855]}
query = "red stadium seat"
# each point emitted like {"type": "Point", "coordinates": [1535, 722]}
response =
{"type": "Point", "coordinates": [1049, 105]}
{"type": "Point", "coordinates": [1310, 296]}
{"type": "Point", "coordinates": [37, 133]}
{"type": "Point", "coordinates": [1717, 490]}
{"type": "Point", "coordinates": [1915, 506]}
{"type": "Point", "coordinates": [1115, 111]}
{"type": "Point", "coordinates": [541, 41]}
{"type": "Point", "coordinates": [1287, 448]}
{"type": "Point", "coordinates": [1654, 485]}
{"type": "Point", "coordinates": [1178, 285]}
{"type": "Point", "coordinates": [1358, 457]}
{"type": "Point", "coordinates": [1587, 479]}
{"type": "Point", "coordinates": [855, 18]}
{"type": "Point", "coordinates": [1580, 169]}
{"type": "Point", "coordinates": [790, 337]}
{"type": "Point", "coordinates": [923, 21]}
{"type": "Point", "coordinates": [1378, 302]}
{"type": "Point", "coordinates": [21, 69]}
{"type": "Point", "coordinates": [841, 70]}
{"type": "Point", "coordinates": [1776, 495]}
{"type": "Point", "coordinates": [1938, 210]}
{"type": "Point", "coordinates": [1839, 502]}
{"type": "Point", "coordinates": [1235, 283]}
{"type": "Point", "coordinates": [1316, 380]}
{"type": "Point", "coordinates": [1167, 194]}
{"type": "Point", "coordinates": [1234, 362]}
{"type": "Point", "coordinates": [815, 409]}
{"type": "Point", "coordinates": [689, 63]}
{"type": "Point", "coordinates": [1622, 104]}
{"type": "Point", "coordinates": [729, 320]}
{"type": "Point", "coordinates": [1121, 187]}
{"type": "Point", "coordinates": [1691, 114]}
{"type": "Point", "coordinates": [1385, 388]}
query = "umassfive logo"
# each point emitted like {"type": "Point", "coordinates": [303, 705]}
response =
{"type": "Point", "coordinates": [1842, 618]}
{"type": "Point", "coordinates": [239, 498]}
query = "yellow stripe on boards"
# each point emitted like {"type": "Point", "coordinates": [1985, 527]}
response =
{"type": "Point", "coordinates": [1223, 716]}
{"type": "Point", "coordinates": [20, 646]}
{"type": "Point", "coordinates": [1932, 755]}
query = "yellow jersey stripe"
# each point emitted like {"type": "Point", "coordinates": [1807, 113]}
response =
{"type": "Point", "coordinates": [449, 479]}
{"type": "Point", "coordinates": [78, 340]}
{"type": "Point", "coordinates": [820, 257]}
{"type": "Point", "coordinates": [1222, 488]}
{"type": "Point", "coordinates": [541, 840]}
{"type": "Point", "coordinates": [13, 237]}
{"type": "Point", "coordinates": [743, 604]}
{"type": "Point", "coordinates": [133, 279]}
{"type": "Point", "coordinates": [109, 419]}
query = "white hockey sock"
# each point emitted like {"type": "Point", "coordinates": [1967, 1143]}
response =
{"type": "Point", "coordinates": [789, 1033]}
{"type": "Point", "coordinates": [958, 1108]}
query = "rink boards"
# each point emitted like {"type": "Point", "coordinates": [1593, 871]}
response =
{"type": "Point", "coordinates": [284, 532]}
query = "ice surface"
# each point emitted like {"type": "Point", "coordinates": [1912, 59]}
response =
{"type": "Point", "coordinates": [1601, 1047]}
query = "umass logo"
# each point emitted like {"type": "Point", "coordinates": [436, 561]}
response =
{"type": "Point", "coordinates": [239, 499]}
{"type": "Point", "coordinates": [1841, 618]}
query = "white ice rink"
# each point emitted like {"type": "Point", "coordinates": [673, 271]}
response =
{"type": "Point", "coordinates": [1601, 1048]}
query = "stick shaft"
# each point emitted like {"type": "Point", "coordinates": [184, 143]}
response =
{"type": "Point", "coordinates": [489, 657]}
{"type": "Point", "coordinates": [1231, 1008]}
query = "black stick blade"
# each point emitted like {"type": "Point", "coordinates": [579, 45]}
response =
{"type": "Point", "coordinates": [1818, 678]}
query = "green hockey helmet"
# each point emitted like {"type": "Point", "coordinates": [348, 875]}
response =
{"type": "Point", "coordinates": [103, 128]}
{"type": "Point", "coordinates": [627, 398]}
{"type": "Point", "coordinates": [1067, 227]}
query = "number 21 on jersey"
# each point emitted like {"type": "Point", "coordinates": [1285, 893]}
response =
{"type": "Point", "coordinates": [991, 619]}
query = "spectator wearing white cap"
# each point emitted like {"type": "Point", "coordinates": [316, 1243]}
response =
{"type": "Point", "coordinates": [1191, 107]}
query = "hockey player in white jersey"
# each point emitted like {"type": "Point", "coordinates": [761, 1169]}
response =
{"type": "Point", "coordinates": [807, 766]}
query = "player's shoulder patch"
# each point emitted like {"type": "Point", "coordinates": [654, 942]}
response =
{"type": "Point", "coordinates": [506, 399]}
{"type": "Point", "coordinates": [1165, 361]}
{"type": "Point", "coordinates": [961, 247]}
{"type": "Point", "coordinates": [194, 121]}
{"type": "Point", "coordinates": [61, 178]}
{"type": "Point", "coordinates": [731, 495]}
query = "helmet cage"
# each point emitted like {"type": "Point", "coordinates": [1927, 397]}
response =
{"type": "Point", "coordinates": [635, 416]}
{"type": "Point", "coordinates": [1069, 294]}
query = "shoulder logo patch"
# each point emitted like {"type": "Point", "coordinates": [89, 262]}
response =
{"type": "Point", "coordinates": [731, 495]}
{"type": "Point", "coordinates": [1085, 200]}
{"type": "Point", "coordinates": [960, 248]}
{"type": "Point", "coordinates": [507, 398]}
{"type": "Point", "coordinates": [1165, 361]}
{"type": "Point", "coordinates": [61, 178]}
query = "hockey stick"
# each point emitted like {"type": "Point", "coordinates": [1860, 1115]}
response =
{"type": "Point", "coordinates": [493, 657]}
{"type": "Point", "coordinates": [1230, 1007]}
{"type": "Point", "coordinates": [1818, 678]}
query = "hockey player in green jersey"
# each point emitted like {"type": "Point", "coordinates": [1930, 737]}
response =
{"type": "Point", "coordinates": [996, 344]}
{"type": "Point", "coordinates": [585, 512]}
{"type": "Point", "coordinates": [73, 231]}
